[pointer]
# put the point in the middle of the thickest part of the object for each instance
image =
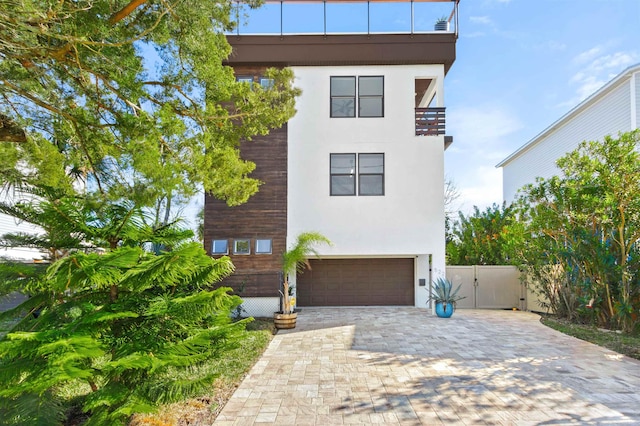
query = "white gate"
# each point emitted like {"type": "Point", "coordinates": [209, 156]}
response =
{"type": "Point", "coordinates": [488, 286]}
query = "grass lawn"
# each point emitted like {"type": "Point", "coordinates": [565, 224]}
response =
{"type": "Point", "coordinates": [231, 369]}
{"type": "Point", "coordinates": [626, 344]}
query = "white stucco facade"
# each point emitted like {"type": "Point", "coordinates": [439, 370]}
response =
{"type": "Point", "coordinates": [408, 220]}
{"type": "Point", "coordinates": [612, 109]}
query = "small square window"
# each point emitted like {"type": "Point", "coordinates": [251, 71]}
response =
{"type": "Point", "coordinates": [263, 246]}
{"type": "Point", "coordinates": [266, 83]}
{"type": "Point", "coordinates": [245, 79]}
{"type": "Point", "coordinates": [241, 247]}
{"type": "Point", "coordinates": [220, 247]}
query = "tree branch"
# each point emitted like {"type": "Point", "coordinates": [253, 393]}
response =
{"type": "Point", "coordinates": [126, 11]}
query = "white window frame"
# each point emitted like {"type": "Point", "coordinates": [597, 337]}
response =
{"type": "Point", "coordinates": [258, 251]}
{"type": "Point", "coordinates": [241, 240]}
{"type": "Point", "coordinates": [213, 247]}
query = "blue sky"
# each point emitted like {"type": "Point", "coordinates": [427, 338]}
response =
{"type": "Point", "coordinates": [521, 65]}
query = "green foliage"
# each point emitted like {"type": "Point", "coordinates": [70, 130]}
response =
{"type": "Point", "coordinates": [442, 292]}
{"type": "Point", "coordinates": [296, 260]}
{"type": "Point", "coordinates": [135, 350]}
{"type": "Point", "coordinates": [132, 98]}
{"type": "Point", "coordinates": [485, 238]}
{"type": "Point", "coordinates": [583, 229]}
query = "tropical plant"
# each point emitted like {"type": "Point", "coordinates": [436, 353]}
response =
{"type": "Point", "coordinates": [485, 237]}
{"type": "Point", "coordinates": [132, 351]}
{"type": "Point", "coordinates": [585, 226]}
{"type": "Point", "coordinates": [295, 260]}
{"type": "Point", "coordinates": [130, 97]}
{"type": "Point", "coordinates": [442, 292]}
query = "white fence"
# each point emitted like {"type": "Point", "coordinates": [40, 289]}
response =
{"type": "Point", "coordinates": [489, 287]}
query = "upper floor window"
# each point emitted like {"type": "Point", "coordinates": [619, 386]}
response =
{"type": "Point", "coordinates": [266, 83]}
{"type": "Point", "coordinates": [369, 170]}
{"type": "Point", "coordinates": [343, 174]}
{"type": "Point", "coordinates": [343, 96]}
{"type": "Point", "coordinates": [245, 79]}
{"type": "Point", "coordinates": [369, 94]}
{"type": "Point", "coordinates": [371, 174]}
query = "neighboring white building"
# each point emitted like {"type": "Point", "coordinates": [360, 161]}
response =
{"type": "Point", "coordinates": [11, 225]}
{"type": "Point", "coordinates": [613, 109]}
{"type": "Point", "coordinates": [362, 162]}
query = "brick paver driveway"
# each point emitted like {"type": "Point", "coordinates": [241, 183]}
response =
{"type": "Point", "coordinates": [405, 366]}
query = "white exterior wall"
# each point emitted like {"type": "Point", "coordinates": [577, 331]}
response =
{"type": "Point", "coordinates": [408, 221]}
{"type": "Point", "coordinates": [609, 115]}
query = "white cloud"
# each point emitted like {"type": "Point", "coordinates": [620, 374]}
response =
{"type": "Point", "coordinates": [481, 139]}
{"type": "Point", "coordinates": [485, 190]}
{"type": "Point", "coordinates": [485, 20]}
{"type": "Point", "coordinates": [588, 55]}
{"type": "Point", "coordinates": [482, 129]}
{"type": "Point", "coordinates": [597, 69]}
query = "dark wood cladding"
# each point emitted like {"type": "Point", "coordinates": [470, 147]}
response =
{"type": "Point", "coordinates": [353, 49]}
{"type": "Point", "coordinates": [357, 282]}
{"type": "Point", "coordinates": [263, 216]}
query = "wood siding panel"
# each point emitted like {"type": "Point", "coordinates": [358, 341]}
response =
{"type": "Point", "coordinates": [263, 216]}
{"type": "Point", "coordinates": [357, 282]}
{"type": "Point", "coordinates": [609, 116]}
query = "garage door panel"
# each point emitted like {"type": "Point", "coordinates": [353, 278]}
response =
{"type": "Point", "coordinates": [357, 282]}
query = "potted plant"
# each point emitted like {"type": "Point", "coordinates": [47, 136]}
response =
{"type": "Point", "coordinates": [442, 24]}
{"type": "Point", "coordinates": [445, 297]}
{"type": "Point", "coordinates": [295, 260]}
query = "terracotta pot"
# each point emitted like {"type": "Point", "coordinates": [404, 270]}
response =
{"type": "Point", "coordinates": [285, 321]}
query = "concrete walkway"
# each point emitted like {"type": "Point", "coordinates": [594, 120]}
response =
{"type": "Point", "coordinates": [404, 366]}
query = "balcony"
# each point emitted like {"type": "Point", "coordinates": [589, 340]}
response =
{"type": "Point", "coordinates": [430, 121]}
{"type": "Point", "coordinates": [327, 17]}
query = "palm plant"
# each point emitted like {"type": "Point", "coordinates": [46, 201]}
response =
{"type": "Point", "coordinates": [296, 260]}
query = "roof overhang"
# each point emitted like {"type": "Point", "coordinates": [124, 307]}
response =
{"type": "Point", "coordinates": [342, 49]}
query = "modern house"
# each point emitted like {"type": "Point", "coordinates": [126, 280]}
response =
{"type": "Point", "coordinates": [361, 162]}
{"type": "Point", "coordinates": [612, 109]}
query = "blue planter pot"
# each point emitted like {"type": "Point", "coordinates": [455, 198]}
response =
{"type": "Point", "coordinates": [444, 310]}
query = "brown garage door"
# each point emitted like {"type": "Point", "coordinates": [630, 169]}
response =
{"type": "Point", "coordinates": [356, 282]}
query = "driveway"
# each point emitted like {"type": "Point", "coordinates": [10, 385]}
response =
{"type": "Point", "coordinates": [401, 365]}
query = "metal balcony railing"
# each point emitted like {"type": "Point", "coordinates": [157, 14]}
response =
{"type": "Point", "coordinates": [430, 121]}
{"type": "Point", "coordinates": [288, 17]}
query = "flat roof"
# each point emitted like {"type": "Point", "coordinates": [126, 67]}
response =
{"type": "Point", "coordinates": [342, 49]}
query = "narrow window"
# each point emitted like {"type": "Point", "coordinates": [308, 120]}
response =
{"type": "Point", "coordinates": [371, 96]}
{"type": "Point", "coordinates": [371, 174]}
{"type": "Point", "coordinates": [343, 174]}
{"type": "Point", "coordinates": [263, 246]}
{"type": "Point", "coordinates": [241, 246]}
{"type": "Point", "coordinates": [343, 96]}
{"type": "Point", "coordinates": [220, 247]}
